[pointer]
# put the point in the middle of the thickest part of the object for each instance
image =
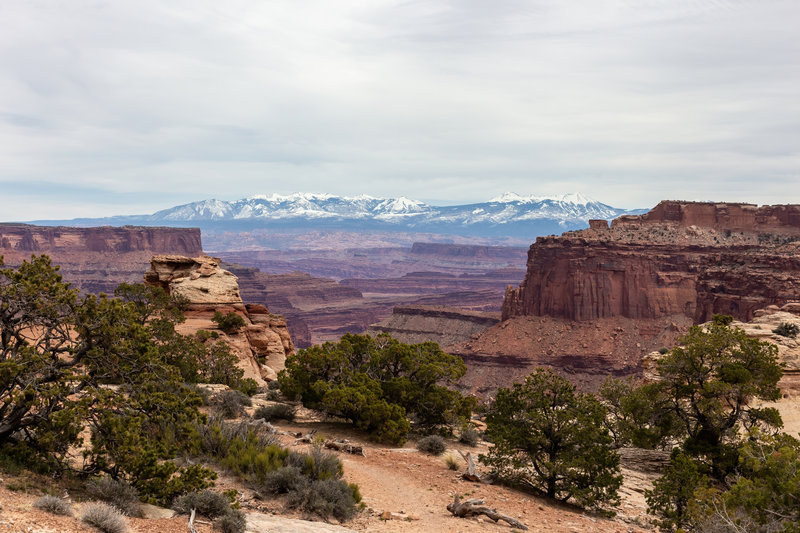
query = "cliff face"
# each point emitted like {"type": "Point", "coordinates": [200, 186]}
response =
{"type": "Point", "coordinates": [262, 344]}
{"type": "Point", "coordinates": [781, 219]}
{"type": "Point", "coordinates": [593, 302]}
{"type": "Point", "coordinates": [97, 259]}
{"type": "Point", "coordinates": [664, 264]}
{"type": "Point", "coordinates": [45, 239]}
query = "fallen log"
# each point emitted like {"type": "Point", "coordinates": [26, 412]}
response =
{"type": "Point", "coordinates": [344, 446]}
{"type": "Point", "coordinates": [475, 507]}
{"type": "Point", "coordinates": [192, 529]}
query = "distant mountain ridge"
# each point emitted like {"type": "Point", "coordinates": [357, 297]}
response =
{"type": "Point", "coordinates": [509, 207]}
{"type": "Point", "coordinates": [508, 215]}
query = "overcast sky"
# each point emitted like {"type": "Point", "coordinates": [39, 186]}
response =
{"type": "Point", "coordinates": [130, 106]}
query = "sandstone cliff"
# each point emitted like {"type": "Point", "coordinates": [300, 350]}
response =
{"type": "Point", "coordinates": [50, 239]}
{"type": "Point", "coordinates": [593, 302]}
{"type": "Point", "coordinates": [664, 263]}
{"type": "Point", "coordinates": [97, 259]}
{"type": "Point", "coordinates": [262, 344]}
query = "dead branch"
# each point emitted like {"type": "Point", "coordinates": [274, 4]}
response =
{"type": "Point", "coordinates": [345, 446]}
{"type": "Point", "coordinates": [475, 507]}
{"type": "Point", "coordinates": [306, 439]}
{"type": "Point", "coordinates": [191, 522]}
{"type": "Point", "coordinates": [471, 474]}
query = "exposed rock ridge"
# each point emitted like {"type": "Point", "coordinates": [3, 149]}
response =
{"type": "Point", "coordinates": [721, 216]}
{"type": "Point", "coordinates": [48, 239]}
{"type": "Point", "coordinates": [681, 258]}
{"type": "Point", "coordinates": [444, 325]}
{"type": "Point", "coordinates": [262, 344]}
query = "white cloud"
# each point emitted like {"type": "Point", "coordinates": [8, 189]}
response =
{"type": "Point", "coordinates": [628, 102]}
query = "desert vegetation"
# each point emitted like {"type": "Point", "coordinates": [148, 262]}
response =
{"type": "Point", "coordinates": [117, 367]}
{"type": "Point", "coordinates": [380, 385]}
{"type": "Point", "coordinates": [730, 468]}
{"type": "Point", "coordinates": [553, 440]}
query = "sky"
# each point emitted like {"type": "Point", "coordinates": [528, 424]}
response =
{"type": "Point", "coordinates": [131, 106]}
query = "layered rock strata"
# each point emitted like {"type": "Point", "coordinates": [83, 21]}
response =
{"type": "Point", "coordinates": [443, 325]}
{"type": "Point", "coordinates": [663, 263]}
{"type": "Point", "coordinates": [97, 259]}
{"type": "Point", "coordinates": [262, 344]}
{"type": "Point", "coordinates": [593, 302]}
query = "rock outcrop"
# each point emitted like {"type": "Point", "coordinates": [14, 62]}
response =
{"type": "Point", "coordinates": [593, 302]}
{"type": "Point", "coordinates": [443, 325]}
{"type": "Point", "coordinates": [664, 263]}
{"type": "Point", "coordinates": [262, 344]}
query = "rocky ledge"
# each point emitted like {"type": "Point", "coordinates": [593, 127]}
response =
{"type": "Point", "coordinates": [262, 344]}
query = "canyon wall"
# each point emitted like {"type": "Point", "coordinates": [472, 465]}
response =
{"type": "Point", "coordinates": [97, 259]}
{"type": "Point", "coordinates": [16, 238]}
{"type": "Point", "coordinates": [689, 259]}
{"type": "Point", "coordinates": [594, 301]}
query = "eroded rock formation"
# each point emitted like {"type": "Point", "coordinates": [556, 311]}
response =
{"type": "Point", "coordinates": [262, 344]}
{"type": "Point", "coordinates": [443, 325]}
{"type": "Point", "coordinates": [663, 263]}
{"type": "Point", "coordinates": [593, 302]}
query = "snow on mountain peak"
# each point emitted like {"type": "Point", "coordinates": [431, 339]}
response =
{"type": "Point", "coordinates": [506, 208]}
{"type": "Point", "coordinates": [572, 198]}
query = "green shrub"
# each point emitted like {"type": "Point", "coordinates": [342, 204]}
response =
{"type": "Point", "coordinates": [104, 517]}
{"type": "Point", "coordinates": [207, 503]}
{"type": "Point", "coordinates": [274, 385]}
{"type": "Point", "coordinates": [251, 461]}
{"type": "Point", "coordinates": [53, 505]}
{"type": "Point", "coordinates": [229, 322]}
{"type": "Point", "coordinates": [231, 522]}
{"type": "Point", "coordinates": [787, 329]}
{"type": "Point", "coordinates": [247, 386]}
{"type": "Point", "coordinates": [663, 350]}
{"type": "Point", "coordinates": [118, 493]}
{"type": "Point", "coordinates": [379, 384]}
{"type": "Point", "coordinates": [280, 411]}
{"type": "Point", "coordinates": [283, 480]}
{"type": "Point", "coordinates": [432, 444]}
{"type": "Point", "coordinates": [203, 335]}
{"type": "Point", "coordinates": [469, 436]}
{"type": "Point", "coordinates": [325, 498]}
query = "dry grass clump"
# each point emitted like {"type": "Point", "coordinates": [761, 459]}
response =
{"type": "Point", "coordinates": [104, 517]}
{"type": "Point", "coordinates": [53, 505]}
{"type": "Point", "coordinates": [451, 462]}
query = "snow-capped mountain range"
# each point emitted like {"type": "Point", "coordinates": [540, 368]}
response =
{"type": "Point", "coordinates": [507, 208]}
{"type": "Point", "coordinates": [508, 216]}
